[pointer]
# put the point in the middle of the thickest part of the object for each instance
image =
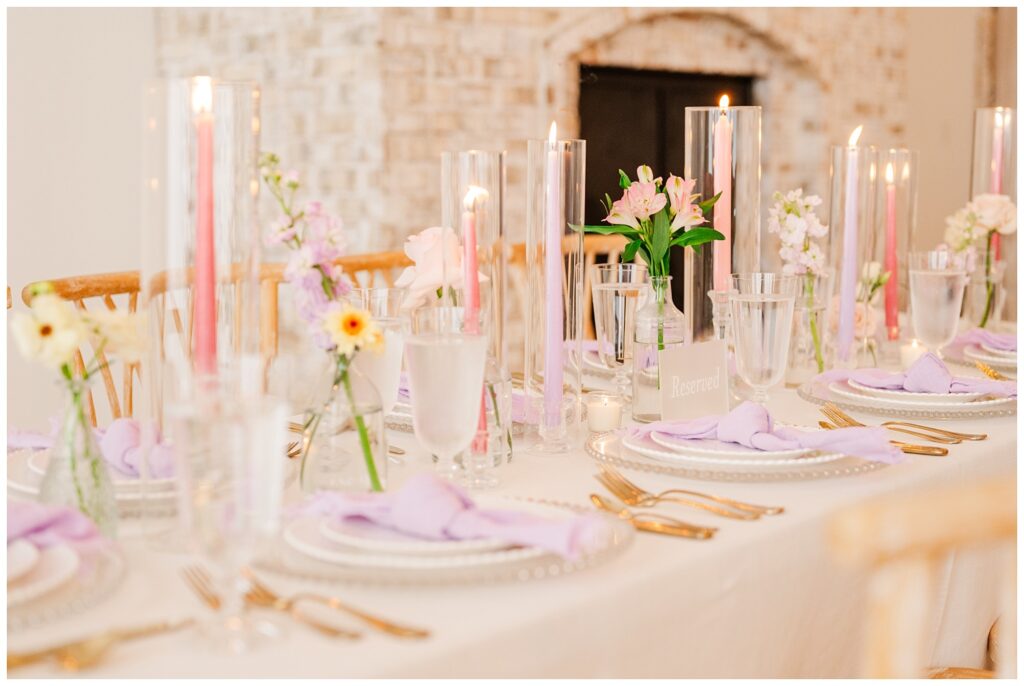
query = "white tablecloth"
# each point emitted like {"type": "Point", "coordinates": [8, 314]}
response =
{"type": "Point", "coordinates": [762, 599]}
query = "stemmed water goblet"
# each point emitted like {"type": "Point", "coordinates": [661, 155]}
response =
{"type": "Point", "coordinates": [230, 457]}
{"type": "Point", "coordinates": [762, 325]}
{"type": "Point", "coordinates": [937, 282]}
{"type": "Point", "coordinates": [617, 293]}
{"type": "Point", "coordinates": [446, 357]}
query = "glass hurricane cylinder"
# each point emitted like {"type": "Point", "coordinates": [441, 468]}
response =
{"type": "Point", "coordinates": [852, 194]}
{"type": "Point", "coordinates": [723, 155]}
{"type": "Point", "coordinates": [994, 170]}
{"type": "Point", "coordinates": [473, 203]}
{"type": "Point", "coordinates": [201, 243]}
{"type": "Point", "coordinates": [895, 224]}
{"type": "Point", "coordinates": [552, 364]}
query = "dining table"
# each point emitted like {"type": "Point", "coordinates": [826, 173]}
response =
{"type": "Point", "coordinates": [764, 598]}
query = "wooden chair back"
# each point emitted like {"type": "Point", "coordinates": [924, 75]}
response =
{"type": "Point", "coordinates": [901, 539]}
{"type": "Point", "coordinates": [120, 290]}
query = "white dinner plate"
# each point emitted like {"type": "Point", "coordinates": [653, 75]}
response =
{"type": "Point", "coordinates": [22, 556]}
{"type": "Point", "coordinates": [842, 389]}
{"type": "Point", "coordinates": [367, 536]}
{"type": "Point", "coordinates": [996, 352]}
{"type": "Point", "coordinates": [306, 536]}
{"type": "Point", "coordinates": [649, 448]}
{"type": "Point", "coordinates": [924, 398]}
{"type": "Point", "coordinates": [56, 566]}
{"type": "Point", "coordinates": [973, 352]}
{"type": "Point", "coordinates": [38, 460]}
{"type": "Point", "coordinates": [715, 449]}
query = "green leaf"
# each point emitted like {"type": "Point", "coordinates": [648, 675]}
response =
{"type": "Point", "coordinates": [696, 237]}
{"type": "Point", "coordinates": [708, 204]}
{"type": "Point", "coordinates": [624, 181]}
{"type": "Point", "coordinates": [661, 235]}
{"type": "Point", "coordinates": [630, 252]}
{"type": "Point", "coordinates": [606, 229]}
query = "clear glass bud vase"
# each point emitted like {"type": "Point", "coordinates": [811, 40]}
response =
{"type": "Point", "coordinates": [659, 326]}
{"type": "Point", "coordinates": [808, 351]}
{"type": "Point", "coordinates": [344, 443]}
{"type": "Point", "coordinates": [986, 295]}
{"type": "Point", "coordinates": [76, 475]}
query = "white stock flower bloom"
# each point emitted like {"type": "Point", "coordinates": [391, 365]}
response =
{"type": "Point", "coordinates": [120, 332]}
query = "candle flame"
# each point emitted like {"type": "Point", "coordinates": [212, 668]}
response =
{"type": "Point", "coordinates": [906, 171]}
{"type": "Point", "coordinates": [999, 119]}
{"type": "Point", "coordinates": [888, 173]}
{"type": "Point", "coordinates": [472, 194]}
{"type": "Point", "coordinates": [855, 136]}
{"type": "Point", "coordinates": [202, 94]}
{"type": "Point", "coordinates": [552, 133]}
{"type": "Point", "coordinates": [723, 102]}
{"type": "Point", "coordinates": [872, 171]}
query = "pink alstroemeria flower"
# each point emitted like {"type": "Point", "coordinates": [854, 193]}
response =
{"type": "Point", "coordinates": [680, 194]}
{"type": "Point", "coordinates": [646, 175]}
{"type": "Point", "coordinates": [643, 200]}
{"type": "Point", "coordinates": [621, 215]}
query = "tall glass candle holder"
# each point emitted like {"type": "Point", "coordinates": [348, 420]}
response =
{"type": "Point", "coordinates": [723, 155]}
{"type": "Point", "coordinates": [473, 202]}
{"type": "Point", "coordinates": [552, 363]}
{"type": "Point", "coordinates": [199, 286]}
{"type": "Point", "coordinates": [994, 171]}
{"type": "Point", "coordinates": [895, 223]}
{"type": "Point", "coordinates": [852, 192]}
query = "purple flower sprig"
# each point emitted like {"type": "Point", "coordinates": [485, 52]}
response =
{"type": "Point", "coordinates": [316, 241]}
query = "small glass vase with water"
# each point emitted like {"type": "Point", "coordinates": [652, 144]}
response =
{"type": "Point", "coordinates": [659, 326]}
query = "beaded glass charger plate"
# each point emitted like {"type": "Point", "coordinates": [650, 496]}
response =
{"type": "Point", "coordinates": [303, 551]}
{"type": "Point", "coordinates": [609, 448]}
{"type": "Point", "coordinates": [95, 576]}
{"type": "Point", "coordinates": [847, 398]}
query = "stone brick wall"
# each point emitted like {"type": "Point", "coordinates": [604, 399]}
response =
{"type": "Point", "coordinates": [362, 101]}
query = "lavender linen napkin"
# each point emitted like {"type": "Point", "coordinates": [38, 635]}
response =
{"type": "Point", "coordinates": [120, 443]}
{"type": "Point", "coordinates": [48, 525]}
{"type": "Point", "coordinates": [751, 426]}
{"type": "Point", "coordinates": [928, 374]}
{"type": "Point", "coordinates": [1006, 342]}
{"type": "Point", "coordinates": [430, 508]}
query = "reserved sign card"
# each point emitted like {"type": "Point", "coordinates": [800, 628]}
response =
{"type": "Point", "coordinates": [694, 380]}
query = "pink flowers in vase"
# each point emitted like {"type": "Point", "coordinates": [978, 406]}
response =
{"type": "Point", "coordinates": [655, 216]}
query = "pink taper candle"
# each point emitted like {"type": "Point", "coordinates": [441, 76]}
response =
{"type": "Point", "coordinates": [471, 288]}
{"type": "Point", "coordinates": [848, 270]}
{"type": "Point", "coordinates": [205, 290]}
{"type": "Point", "coordinates": [553, 231]}
{"type": "Point", "coordinates": [722, 171]}
{"type": "Point", "coordinates": [996, 183]}
{"type": "Point", "coordinates": [892, 301]}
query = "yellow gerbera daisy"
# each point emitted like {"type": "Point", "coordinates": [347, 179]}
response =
{"type": "Point", "coordinates": [352, 329]}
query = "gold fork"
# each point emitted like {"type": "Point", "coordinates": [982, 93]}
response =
{"type": "Point", "coordinates": [989, 372]}
{"type": "Point", "coordinates": [266, 596]}
{"type": "Point", "coordinates": [847, 419]}
{"type": "Point", "coordinates": [617, 476]}
{"type": "Point", "coordinates": [909, 448]}
{"type": "Point", "coordinates": [200, 582]}
{"type": "Point", "coordinates": [844, 420]}
{"type": "Point", "coordinates": [631, 497]}
{"type": "Point", "coordinates": [654, 523]}
{"type": "Point", "coordinates": [87, 652]}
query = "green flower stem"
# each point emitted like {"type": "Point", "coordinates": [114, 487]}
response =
{"type": "Point", "coordinates": [76, 400]}
{"type": "Point", "coordinates": [990, 289]}
{"type": "Point", "coordinates": [364, 438]}
{"type": "Point", "coordinates": [814, 324]}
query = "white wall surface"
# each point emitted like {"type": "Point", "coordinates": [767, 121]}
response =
{"type": "Point", "coordinates": [74, 113]}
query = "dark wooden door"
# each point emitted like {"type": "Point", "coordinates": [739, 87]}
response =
{"type": "Point", "coordinates": [631, 117]}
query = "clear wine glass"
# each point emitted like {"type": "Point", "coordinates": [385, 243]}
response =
{"type": "Point", "coordinates": [618, 290]}
{"type": "Point", "coordinates": [446, 385]}
{"type": "Point", "coordinates": [384, 368]}
{"type": "Point", "coordinates": [937, 281]}
{"type": "Point", "coordinates": [230, 455]}
{"type": "Point", "coordinates": [762, 324]}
